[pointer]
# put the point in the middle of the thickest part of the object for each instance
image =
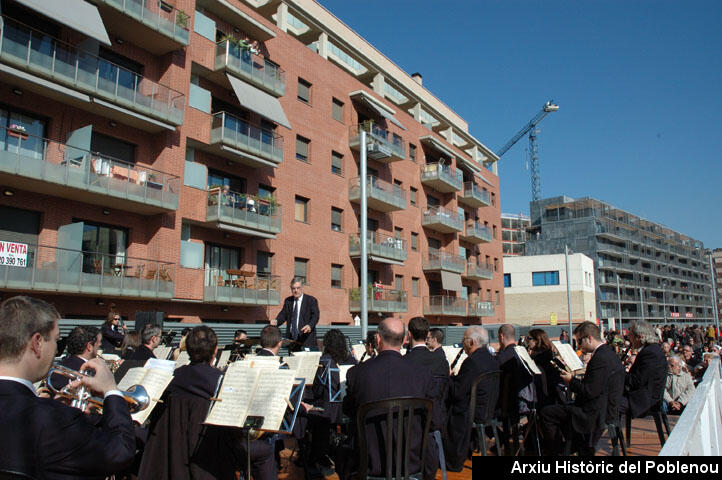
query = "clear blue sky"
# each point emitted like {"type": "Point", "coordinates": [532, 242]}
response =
{"type": "Point", "coordinates": [638, 83]}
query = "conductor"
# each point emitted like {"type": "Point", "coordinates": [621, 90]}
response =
{"type": "Point", "coordinates": [300, 314]}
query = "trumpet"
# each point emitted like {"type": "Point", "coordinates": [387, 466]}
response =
{"type": "Point", "coordinates": [136, 396]}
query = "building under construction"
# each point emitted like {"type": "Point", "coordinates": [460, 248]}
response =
{"type": "Point", "coordinates": [644, 270]}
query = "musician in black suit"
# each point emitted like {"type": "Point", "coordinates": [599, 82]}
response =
{"type": "Point", "coordinates": [83, 344]}
{"type": "Point", "coordinates": [300, 314]}
{"type": "Point", "coordinates": [588, 412]}
{"type": "Point", "coordinates": [479, 360]}
{"type": "Point", "coordinates": [388, 375]}
{"type": "Point", "coordinates": [644, 384]}
{"type": "Point", "coordinates": [43, 438]}
{"type": "Point", "coordinates": [113, 332]}
{"type": "Point", "coordinates": [270, 341]}
{"type": "Point", "coordinates": [150, 339]}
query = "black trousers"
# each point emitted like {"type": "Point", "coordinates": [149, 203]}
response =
{"type": "Point", "coordinates": [556, 422]}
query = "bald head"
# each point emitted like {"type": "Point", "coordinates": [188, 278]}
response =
{"type": "Point", "coordinates": [391, 333]}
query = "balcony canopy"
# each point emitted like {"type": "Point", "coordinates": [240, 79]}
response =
{"type": "Point", "coordinates": [376, 106]}
{"type": "Point", "coordinates": [76, 14]}
{"type": "Point", "coordinates": [258, 101]}
{"type": "Point", "coordinates": [431, 141]}
{"type": "Point", "coordinates": [450, 281]}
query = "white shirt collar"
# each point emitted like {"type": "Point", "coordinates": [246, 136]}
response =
{"type": "Point", "coordinates": [300, 299]}
{"type": "Point", "coordinates": [25, 382]}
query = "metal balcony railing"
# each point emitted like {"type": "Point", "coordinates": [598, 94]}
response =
{"type": "Point", "coordinates": [476, 195]}
{"type": "Point", "coordinates": [33, 51]}
{"type": "Point", "coordinates": [239, 59]}
{"type": "Point", "coordinates": [54, 269]}
{"type": "Point", "coordinates": [245, 136]}
{"type": "Point", "coordinates": [379, 244]}
{"type": "Point", "coordinates": [481, 309]}
{"type": "Point", "coordinates": [43, 159]}
{"type": "Point", "coordinates": [379, 300]}
{"type": "Point", "coordinates": [379, 190]}
{"type": "Point", "coordinates": [440, 216]}
{"type": "Point", "coordinates": [393, 144]}
{"type": "Point", "coordinates": [167, 19]}
{"type": "Point", "coordinates": [476, 230]}
{"type": "Point", "coordinates": [250, 211]}
{"type": "Point", "coordinates": [475, 270]}
{"type": "Point", "coordinates": [438, 260]}
{"type": "Point", "coordinates": [445, 306]}
{"type": "Point", "coordinates": [240, 287]}
{"type": "Point", "coordinates": [433, 173]}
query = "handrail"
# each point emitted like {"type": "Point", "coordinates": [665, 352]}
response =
{"type": "Point", "coordinates": [246, 134]}
{"type": "Point", "coordinates": [376, 184]}
{"type": "Point", "coordinates": [380, 134]}
{"type": "Point", "coordinates": [242, 60]}
{"type": "Point", "coordinates": [167, 19]}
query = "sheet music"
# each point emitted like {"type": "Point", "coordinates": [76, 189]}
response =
{"type": "Point", "coordinates": [154, 380]}
{"type": "Point", "coordinates": [342, 371]}
{"type": "Point", "coordinates": [235, 394]}
{"type": "Point", "coordinates": [305, 364]}
{"type": "Point", "coordinates": [527, 360]}
{"type": "Point", "coordinates": [269, 398]}
{"type": "Point", "coordinates": [169, 365]}
{"type": "Point", "coordinates": [403, 351]}
{"type": "Point", "coordinates": [254, 361]}
{"type": "Point", "coordinates": [569, 356]}
{"type": "Point", "coordinates": [132, 377]}
{"type": "Point", "coordinates": [223, 360]}
{"type": "Point", "coordinates": [183, 359]}
{"type": "Point", "coordinates": [451, 353]}
{"type": "Point", "coordinates": [162, 352]}
{"type": "Point", "coordinates": [358, 350]}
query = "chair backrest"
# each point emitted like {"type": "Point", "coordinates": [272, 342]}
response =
{"type": "Point", "coordinates": [8, 475]}
{"type": "Point", "coordinates": [615, 391]}
{"type": "Point", "coordinates": [399, 419]}
{"type": "Point", "coordinates": [489, 382]}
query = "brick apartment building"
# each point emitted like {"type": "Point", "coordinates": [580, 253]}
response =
{"type": "Point", "coordinates": [191, 156]}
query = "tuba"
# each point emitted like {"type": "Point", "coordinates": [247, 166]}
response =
{"type": "Point", "coordinates": [136, 396]}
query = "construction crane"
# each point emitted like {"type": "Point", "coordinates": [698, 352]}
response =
{"type": "Point", "coordinates": [530, 128]}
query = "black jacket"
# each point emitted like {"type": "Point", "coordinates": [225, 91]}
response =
{"type": "Point", "coordinates": [644, 384]}
{"type": "Point", "coordinates": [143, 353]}
{"type": "Point", "coordinates": [308, 316]}
{"type": "Point", "coordinates": [111, 339]}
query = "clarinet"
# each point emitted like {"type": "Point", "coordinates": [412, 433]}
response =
{"type": "Point", "coordinates": [458, 356]}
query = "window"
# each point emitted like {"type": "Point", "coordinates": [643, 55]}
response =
{"type": "Point", "coordinates": [414, 286]}
{"type": "Point", "coordinates": [432, 201]}
{"type": "Point", "coordinates": [434, 244]}
{"type": "Point", "coordinates": [337, 110]}
{"type": "Point", "coordinates": [336, 275]}
{"type": "Point", "coordinates": [412, 152]}
{"type": "Point", "coordinates": [112, 147]}
{"type": "Point", "coordinates": [371, 224]}
{"type": "Point", "coordinates": [264, 262]}
{"type": "Point", "coordinates": [497, 297]}
{"type": "Point", "coordinates": [304, 90]}
{"type": "Point", "coordinates": [496, 264]}
{"type": "Point", "coordinates": [336, 219]}
{"type": "Point", "coordinates": [545, 278]}
{"type": "Point", "coordinates": [493, 232]}
{"type": "Point", "coordinates": [507, 280]}
{"type": "Point", "coordinates": [336, 163]}
{"type": "Point", "coordinates": [221, 179]}
{"type": "Point", "coordinates": [300, 269]}
{"type": "Point", "coordinates": [301, 209]}
{"type": "Point", "coordinates": [219, 259]}
{"type": "Point", "coordinates": [103, 247]}
{"type": "Point", "coordinates": [398, 232]}
{"type": "Point", "coordinates": [412, 195]}
{"type": "Point", "coordinates": [265, 191]}
{"type": "Point", "coordinates": [414, 241]}
{"type": "Point", "coordinates": [399, 282]}
{"type": "Point", "coordinates": [493, 198]}
{"type": "Point", "coordinates": [25, 134]}
{"type": "Point", "coordinates": [303, 145]}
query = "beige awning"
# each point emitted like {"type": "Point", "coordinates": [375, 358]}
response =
{"type": "Point", "coordinates": [376, 106]}
{"type": "Point", "coordinates": [434, 143]}
{"type": "Point", "coordinates": [76, 14]}
{"type": "Point", "coordinates": [258, 101]}
{"type": "Point", "coordinates": [450, 281]}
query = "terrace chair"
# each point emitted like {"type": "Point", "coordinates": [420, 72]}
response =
{"type": "Point", "coordinates": [165, 274]}
{"type": "Point", "coordinates": [151, 273]}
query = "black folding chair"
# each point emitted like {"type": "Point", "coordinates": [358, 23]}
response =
{"type": "Point", "coordinates": [491, 382]}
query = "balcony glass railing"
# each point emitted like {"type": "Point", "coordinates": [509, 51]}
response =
{"type": "Point", "coordinates": [445, 305]}
{"type": "Point", "coordinates": [477, 270]}
{"type": "Point", "coordinates": [481, 309]}
{"type": "Point", "coordinates": [159, 16]}
{"type": "Point", "coordinates": [260, 213]}
{"type": "Point", "coordinates": [472, 190]}
{"type": "Point", "coordinates": [75, 271]}
{"type": "Point", "coordinates": [379, 244]}
{"type": "Point", "coordinates": [444, 173]}
{"type": "Point", "coordinates": [238, 286]}
{"type": "Point", "coordinates": [31, 50]}
{"type": "Point", "coordinates": [477, 230]}
{"type": "Point", "coordinates": [443, 216]}
{"type": "Point", "coordinates": [380, 190]}
{"type": "Point", "coordinates": [379, 300]}
{"type": "Point", "coordinates": [50, 161]}
{"type": "Point", "coordinates": [379, 134]}
{"type": "Point", "coordinates": [438, 260]}
{"type": "Point", "coordinates": [239, 58]}
{"type": "Point", "coordinates": [231, 130]}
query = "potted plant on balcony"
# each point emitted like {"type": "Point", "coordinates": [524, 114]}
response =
{"type": "Point", "coordinates": [18, 131]}
{"type": "Point", "coordinates": [181, 19]}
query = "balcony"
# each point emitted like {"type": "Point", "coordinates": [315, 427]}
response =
{"type": "Point", "coordinates": [474, 196]}
{"type": "Point", "coordinates": [441, 178]}
{"type": "Point", "coordinates": [254, 216]}
{"type": "Point", "coordinates": [481, 309]}
{"type": "Point", "coordinates": [53, 269]}
{"type": "Point", "coordinates": [442, 220]}
{"type": "Point", "coordinates": [237, 58]}
{"type": "Point", "coordinates": [475, 271]}
{"type": "Point", "coordinates": [238, 287]}
{"type": "Point", "coordinates": [381, 196]}
{"type": "Point", "coordinates": [380, 300]}
{"type": "Point", "coordinates": [244, 142]}
{"type": "Point", "coordinates": [380, 144]}
{"type": "Point", "coordinates": [474, 232]}
{"type": "Point", "coordinates": [445, 306]}
{"type": "Point", "coordinates": [48, 167]}
{"type": "Point", "coordinates": [158, 28]}
{"type": "Point", "coordinates": [110, 90]}
{"type": "Point", "coordinates": [436, 260]}
{"type": "Point", "coordinates": [381, 247]}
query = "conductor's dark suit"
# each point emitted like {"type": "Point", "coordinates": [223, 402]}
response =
{"type": "Point", "coordinates": [46, 439]}
{"type": "Point", "coordinates": [644, 384]}
{"type": "Point", "coordinates": [458, 433]}
{"type": "Point", "coordinates": [387, 375]}
{"type": "Point", "coordinates": [308, 316]}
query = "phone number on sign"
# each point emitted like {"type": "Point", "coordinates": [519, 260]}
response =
{"type": "Point", "coordinates": [12, 261]}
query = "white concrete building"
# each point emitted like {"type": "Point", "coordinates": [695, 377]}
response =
{"type": "Point", "coordinates": [535, 289]}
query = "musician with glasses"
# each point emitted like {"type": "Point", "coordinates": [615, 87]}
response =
{"type": "Point", "coordinates": [83, 345]}
{"type": "Point", "coordinates": [113, 331]}
{"type": "Point", "coordinates": [43, 438]}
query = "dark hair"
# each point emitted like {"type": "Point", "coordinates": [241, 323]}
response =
{"type": "Point", "coordinates": [185, 331]}
{"type": "Point", "coordinates": [131, 341]}
{"type": "Point", "coordinates": [371, 339]}
{"type": "Point", "coordinates": [419, 328]}
{"type": "Point", "coordinates": [201, 344]}
{"type": "Point", "coordinates": [22, 317]}
{"type": "Point", "coordinates": [111, 316]}
{"type": "Point", "coordinates": [240, 332]}
{"type": "Point", "coordinates": [586, 329]}
{"type": "Point", "coordinates": [334, 343]}
{"type": "Point", "coordinates": [270, 336]}
{"type": "Point", "coordinates": [438, 334]}
{"type": "Point", "coordinates": [80, 337]}
{"type": "Point", "coordinates": [390, 337]}
{"type": "Point", "coordinates": [542, 339]}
